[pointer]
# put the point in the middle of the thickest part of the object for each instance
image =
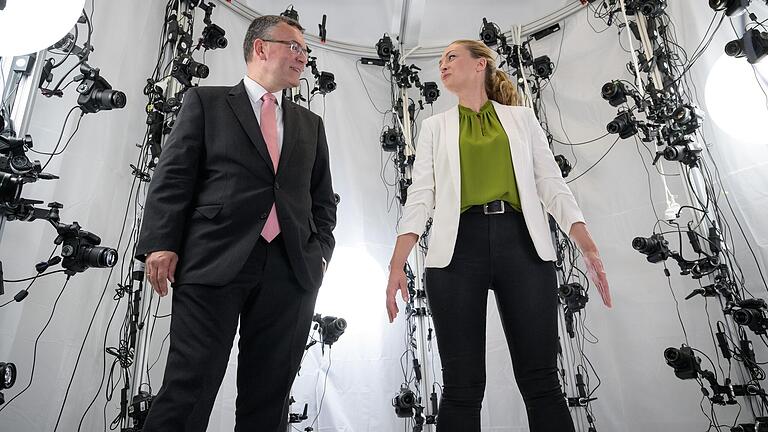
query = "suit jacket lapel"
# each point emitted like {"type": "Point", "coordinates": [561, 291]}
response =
{"type": "Point", "coordinates": [241, 106]}
{"type": "Point", "coordinates": [452, 146]}
{"type": "Point", "coordinates": [290, 132]}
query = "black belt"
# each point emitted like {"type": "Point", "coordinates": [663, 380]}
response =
{"type": "Point", "coordinates": [493, 207]}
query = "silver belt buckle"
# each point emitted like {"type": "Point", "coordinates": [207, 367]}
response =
{"type": "Point", "coordinates": [485, 209]}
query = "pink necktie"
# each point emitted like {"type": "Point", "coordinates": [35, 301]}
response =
{"type": "Point", "coordinates": [268, 124]}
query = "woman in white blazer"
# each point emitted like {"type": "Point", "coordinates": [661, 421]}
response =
{"type": "Point", "coordinates": [485, 174]}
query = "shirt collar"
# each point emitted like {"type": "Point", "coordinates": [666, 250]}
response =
{"type": "Point", "coordinates": [256, 91]}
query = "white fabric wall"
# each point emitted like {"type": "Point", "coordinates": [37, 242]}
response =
{"type": "Point", "coordinates": [639, 392]}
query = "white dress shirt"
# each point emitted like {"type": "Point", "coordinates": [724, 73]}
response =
{"type": "Point", "coordinates": [255, 93]}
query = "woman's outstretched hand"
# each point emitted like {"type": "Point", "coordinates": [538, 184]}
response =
{"type": "Point", "coordinates": [597, 275]}
{"type": "Point", "coordinates": [595, 270]}
{"type": "Point", "coordinates": [397, 281]}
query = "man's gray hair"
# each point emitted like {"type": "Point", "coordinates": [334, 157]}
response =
{"type": "Point", "coordinates": [261, 28]}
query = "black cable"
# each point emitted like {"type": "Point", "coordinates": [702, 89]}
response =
{"type": "Point", "coordinates": [560, 116]}
{"type": "Point", "coordinates": [106, 331]}
{"type": "Point", "coordinates": [33, 277]}
{"type": "Point", "coordinates": [106, 284]}
{"type": "Point", "coordinates": [325, 387]}
{"type": "Point", "coordinates": [68, 53]}
{"type": "Point", "coordinates": [677, 305]}
{"type": "Point", "coordinates": [595, 164]}
{"type": "Point", "coordinates": [580, 143]}
{"type": "Point", "coordinates": [80, 352]}
{"type": "Point", "coordinates": [357, 66]}
{"type": "Point", "coordinates": [61, 135]}
{"type": "Point", "coordinates": [34, 351]}
{"type": "Point", "coordinates": [7, 108]}
{"type": "Point", "coordinates": [699, 49]}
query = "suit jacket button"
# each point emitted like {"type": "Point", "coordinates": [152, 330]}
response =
{"type": "Point", "coordinates": [277, 185]}
{"type": "Point", "coordinates": [264, 215]}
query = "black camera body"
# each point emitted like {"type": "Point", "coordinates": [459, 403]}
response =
{"type": "Point", "coordinates": [624, 124]}
{"type": "Point", "coordinates": [326, 83]}
{"type": "Point", "coordinates": [16, 170]}
{"type": "Point", "coordinates": [489, 33]}
{"type": "Point", "coordinates": [683, 361]}
{"type": "Point", "coordinates": [655, 247]}
{"type": "Point", "coordinates": [95, 92]}
{"type": "Point", "coordinates": [330, 327]}
{"type": "Point", "coordinates": [7, 378]}
{"type": "Point", "coordinates": [80, 250]}
{"type": "Point", "coordinates": [185, 68]}
{"type": "Point", "coordinates": [7, 375]}
{"type": "Point", "coordinates": [652, 8]}
{"type": "Point", "coordinates": [753, 45]}
{"type": "Point", "coordinates": [564, 165]}
{"type": "Point", "coordinates": [392, 139]}
{"type": "Point", "coordinates": [430, 92]}
{"type": "Point", "coordinates": [751, 313]}
{"type": "Point", "coordinates": [213, 37]}
{"type": "Point", "coordinates": [731, 7]}
{"type": "Point", "coordinates": [543, 67]}
{"type": "Point", "coordinates": [404, 403]}
{"type": "Point", "coordinates": [682, 151]}
{"type": "Point", "coordinates": [574, 296]}
{"type": "Point", "coordinates": [384, 48]}
{"type": "Point", "coordinates": [614, 92]}
{"type": "Point", "coordinates": [760, 425]}
{"type": "Point", "coordinates": [687, 119]}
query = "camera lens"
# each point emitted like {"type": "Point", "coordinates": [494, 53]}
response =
{"type": "Point", "coordinates": [616, 126]}
{"type": "Point", "coordinates": [674, 153]}
{"type": "Point", "coordinates": [609, 90]}
{"type": "Point", "coordinates": [109, 99]}
{"type": "Point", "coordinates": [198, 70]}
{"type": "Point", "coordinates": [648, 245]}
{"type": "Point", "coordinates": [675, 357]}
{"type": "Point", "coordinates": [99, 256]}
{"type": "Point", "coordinates": [10, 188]}
{"type": "Point", "coordinates": [718, 4]}
{"type": "Point", "coordinates": [339, 324]}
{"type": "Point", "coordinates": [735, 48]}
{"type": "Point", "coordinates": [7, 375]}
{"type": "Point", "coordinates": [744, 316]}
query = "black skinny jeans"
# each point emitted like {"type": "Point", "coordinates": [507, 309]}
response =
{"type": "Point", "coordinates": [496, 252]}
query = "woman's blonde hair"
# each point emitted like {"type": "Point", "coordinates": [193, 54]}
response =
{"type": "Point", "coordinates": [497, 83]}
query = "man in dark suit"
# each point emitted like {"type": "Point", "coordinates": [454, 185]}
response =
{"type": "Point", "coordinates": [239, 218]}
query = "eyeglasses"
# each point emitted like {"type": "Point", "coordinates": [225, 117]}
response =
{"type": "Point", "coordinates": [295, 47]}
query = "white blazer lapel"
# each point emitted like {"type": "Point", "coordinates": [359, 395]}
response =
{"type": "Point", "coordinates": [452, 146]}
{"type": "Point", "coordinates": [512, 128]}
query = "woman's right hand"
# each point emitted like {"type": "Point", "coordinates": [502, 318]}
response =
{"type": "Point", "coordinates": [397, 281]}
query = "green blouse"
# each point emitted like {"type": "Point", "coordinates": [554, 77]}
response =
{"type": "Point", "coordinates": [487, 173]}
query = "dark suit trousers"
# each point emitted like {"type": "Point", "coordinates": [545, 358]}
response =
{"type": "Point", "coordinates": [496, 252]}
{"type": "Point", "coordinates": [275, 316]}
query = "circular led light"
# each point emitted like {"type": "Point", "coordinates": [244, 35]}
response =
{"type": "Point", "coordinates": [28, 26]}
{"type": "Point", "coordinates": [735, 101]}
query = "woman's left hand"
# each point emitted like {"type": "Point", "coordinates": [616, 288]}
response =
{"type": "Point", "coordinates": [597, 275]}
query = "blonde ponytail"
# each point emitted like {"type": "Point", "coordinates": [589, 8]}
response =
{"type": "Point", "coordinates": [500, 88]}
